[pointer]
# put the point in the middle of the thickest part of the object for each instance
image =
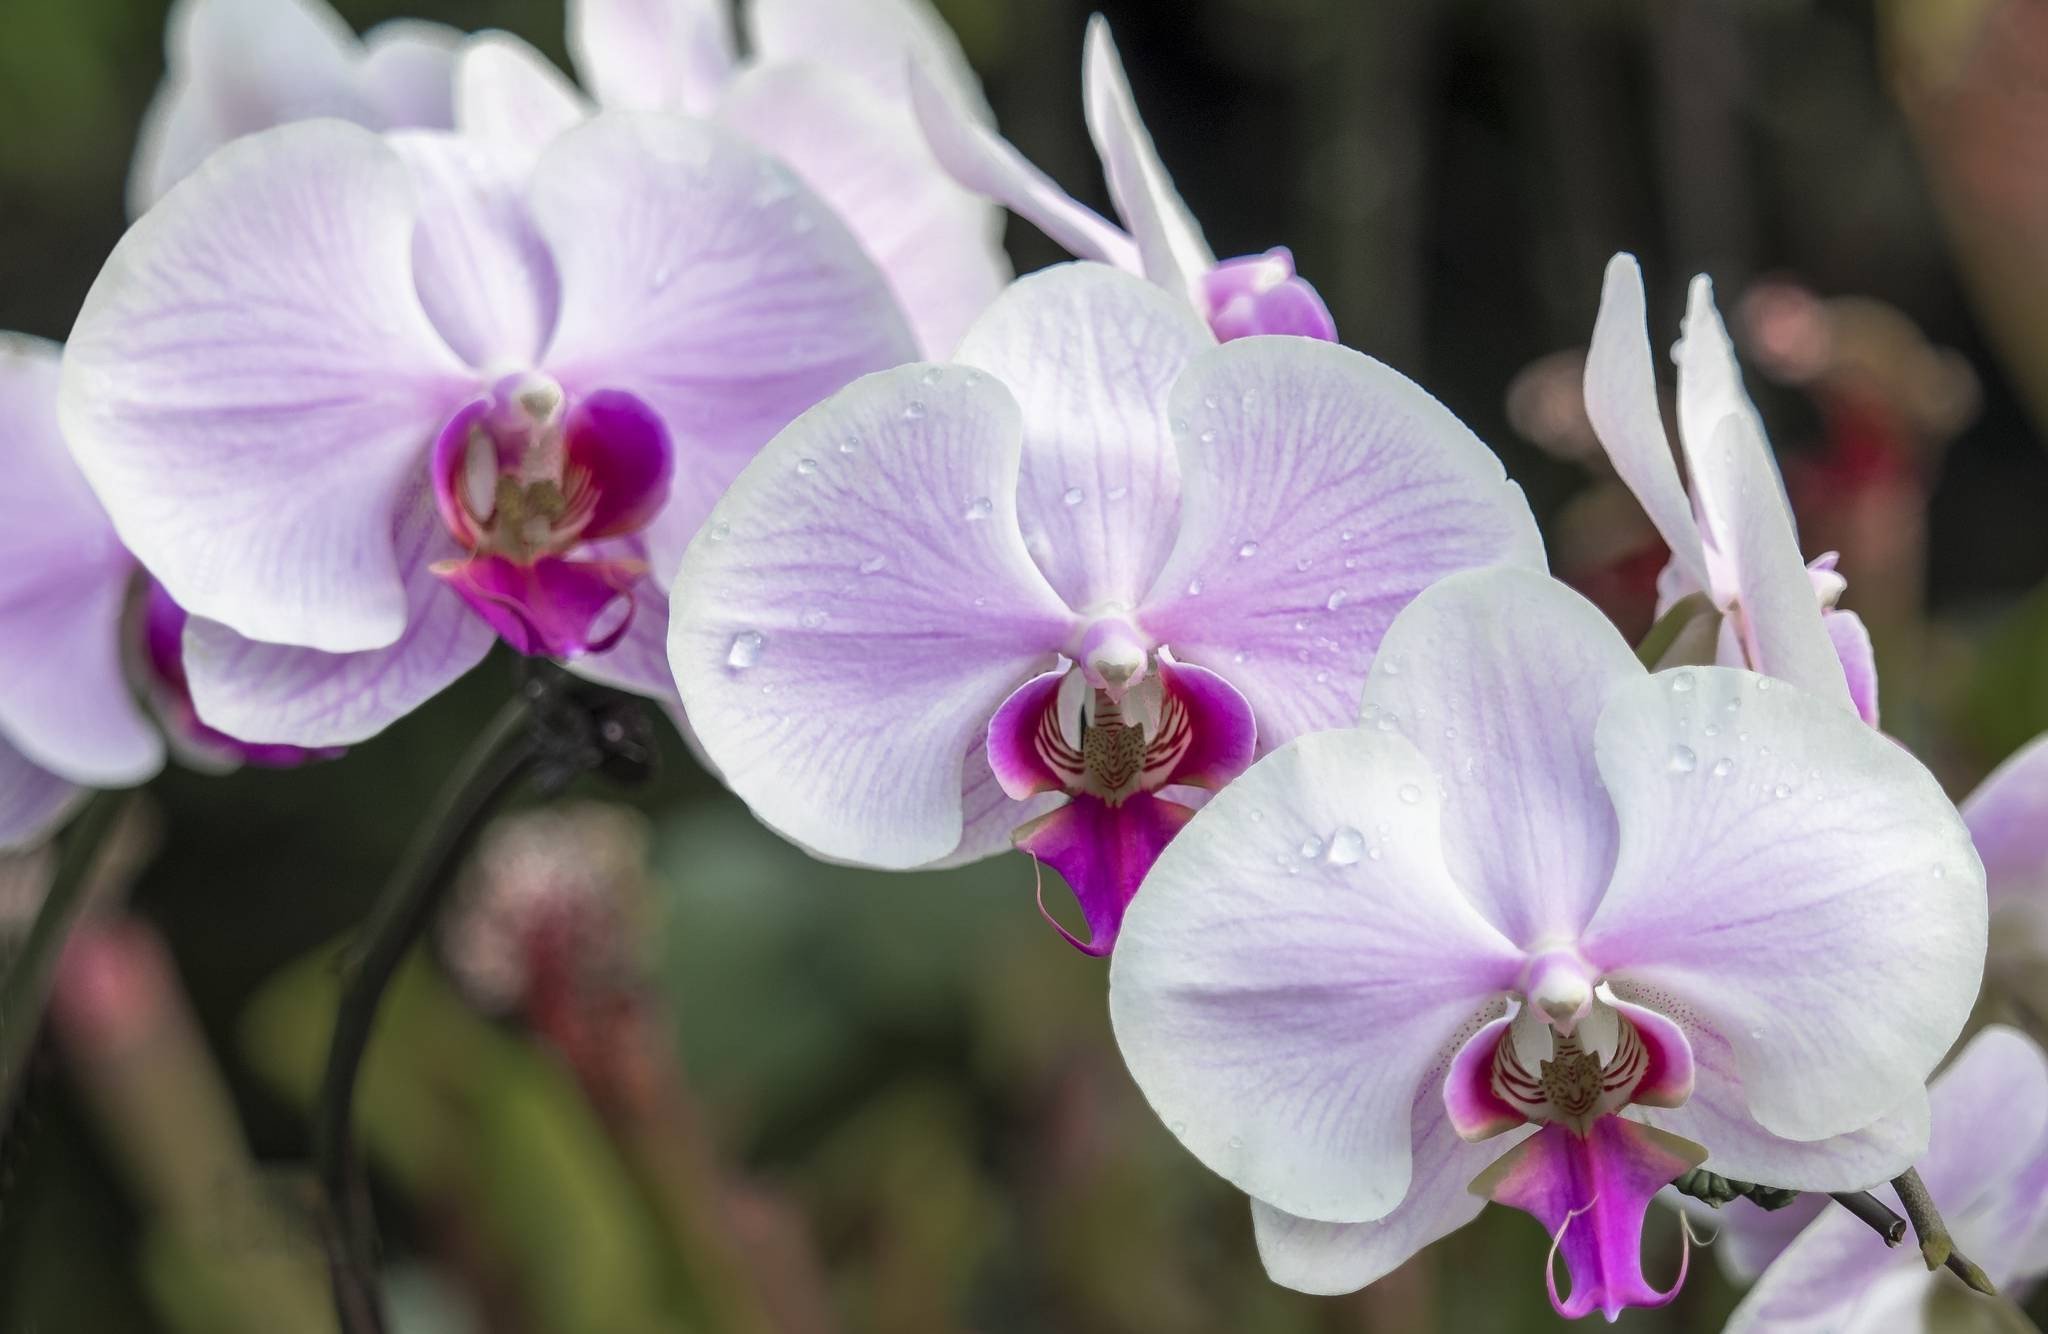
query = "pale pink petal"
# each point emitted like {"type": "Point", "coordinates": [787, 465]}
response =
{"type": "Point", "coordinates": [940, 246]}
{"type": "Point", "coordinates": [1498, 676]}
{"type": "Point", "coordinates": [638, 662]}
{"type": "Point", "coordinates": [1092, 355]}
{"type": "Point", "coordinates": [273, 693]}
{"type": "Point", "coordinates": [33, 801]}
{"type": "Point", "coordinates": [990, 816]}
{"type": "Point", "coordinates": [2008, 820]}
{"type": "Point", "coordinates": [1621, 402]}
{"type": "Point", "coordinates": [1320, 492]}
{"type": "Point", "coordinates": [252, 382]}
{"type": "Point", "coordinates": [653, 55]}
{"type": "Point", "coordinates": [703, 277]}
{"type": "Point", "coordinates": [509, 98]}
{"type": "Point", "coordinates": [64, 696]}
{"type": "Point", "coordinates": [1710, 391]}
{"type": "Point", "coordinates": [407, 72]}
{"type": "Point", "coordinates": [857, 607]}
{"type": "Point", "coordinates": [1332, 1258]}
{"type": "Point", "coordinates": [986, 163]}
{"type": "Point", "coordinates": [1768, 870]}
{"type": "Point", "coordinates": [1298, 967]}
{"type": "Point", "coordinates": [876, 41]}
{"type": "Point", "coordinates": [1169, 242]}
{"type": "Point", "coordinates": [1857, 657]}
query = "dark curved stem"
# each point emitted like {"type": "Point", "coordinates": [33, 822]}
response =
{"type": "Point", "coordinates": [1875, 1212]}
{"type": "Point", "coordinates": [27, 983]}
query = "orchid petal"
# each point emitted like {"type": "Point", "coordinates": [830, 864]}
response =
{"type": "Point", "coordinates": [1298, 966]}
{"type": "Point", "coordinates": [33, 801]}
{"type": "Point", "coordinates": [549, 607]}
{"type": "Point", "coordinates": [858, 605]}
{"type": "Point", "coordinates": [1474, 1109]}
{"type": "Point", "coordinates": [408, 73]}
{"type": "Point", "coordinates": [986, 163]}
{"type": "Point", "coordinates": [64, 696]}
{"type": "Point", "coordinates": [1709, 392]}
{"type": "Point", "coordinates": [252, 381]}
{"type": "Point", "coordinates": [1779, 621]}
{"type": "Point", "coordinates": [274, 693]}
{"type": "Point", "coordinates": [990, 816]}
{"type": "Point", "coordinates": [876, 41]}
{"type": "Point", "coordinates": [1224, 737]}
{"type": "Point", "coordinates": [638, 661]}
{"type": "Point", "coordinates": [1013, 757]}
{"type": "Point", "coordinates": [1333, 1258]}
{"type": "Point", "coordinates": [510, 98]}
{"type": "Point", "coordinates": [940, 246]}
{"type": "Point", "coordinates": [1767, 872]}
{"type": "Point", "coordinates": [1103, 853]}
{"type": "Point", "coordinates": [1498, 677]}
{"type": "Point", "coordinates": [236, 67]}
{"type": "Point", "coordinates": [1321, 491]}
{"type": "Point", "coordinates": [1858, 660]}
{"type": "Point", "coordinates": [2008, 820]}
{"type": "Point", "coordinates": [1092, 355]}
{"type": "Point", "coordinates": [483, 274]}
{"type": "Point", "coordinates": [1621, 402]}
{"type": "Point", "coordinates": [1169, 241]}
{"type": "Point", "coordinates": [704, 278]}
{"type": "Point", "coordinates": [653, 55]}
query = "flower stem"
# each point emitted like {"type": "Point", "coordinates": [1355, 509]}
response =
{"type": "Point", "coordinates": [1875, 1212]}
{"type": "Point", "coordinates": [1936, 1246]}
{"type": "Point", "coordinates": [554, 730]}
{"type": "Point", "coordinates": [26, 985]}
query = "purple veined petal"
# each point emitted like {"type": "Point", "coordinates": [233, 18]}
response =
{"type": "Point", "coordinates": [653, 55]}
{"type": "Point", "coordinates": [990, 816]}
{"type": "Point", "coordinates": [875, 41]}
{"type": "Point", "coordinates": [169, 691]}
{"type": "Point", "coordinates": [1225, 738]}
{"type": "Point", "coordinates": [1851, 640]}
{"type": "Point", "coordinates": [407, 73]}
{"type": "Point", "coordinates": [1170, 243]}
{"type": "Point", "coordinates": [986, 163]}
{"type": "Point", "coordinates": [1471, 1105]}
{"type": "Point", "coordinates": [1990, 1114]}
{"type": "Point", "coordinates": [1778, 619]}
{"type": "Point", "coordinates": [940, 246]}
{"type": "Point", "coordinates": [1767, 871]}
{"type": "Point", "coordinates": [483, 273]}
{"type": "Point", "coordinates": [252, 383]}
{"type": "Point", "coordinates": [1591, 1194]}
{"type": "Point", "coordinates": [704, 278]}
{"type": "Point", "coordinates": [64, 696]}
{"type": "Point", "coordinates": [1333, 1258]}
{"type": "Point", "coordinates": [856, 608]}
{"type": "Point", "coordinates": [549, 607]}
{"type": "Point", "coordinates": [2008, 820]}
{"type": "Point", "coordinates": [235, 67]}
{"type": "Point", "coordinates": [621, 444]}
{"type": "Point", "coordinates": [1621, 402]}
{"type": "Point", "coordinates": [33, 801]}
{"type": "Point", "coordinates": [509, 98]}
{"type": "Point", "coordinates": [1013, 759]}
{"type": "Point", "coordinates": [1298, 966]}
{"type": "Point", "coordinates": [1092, 355]}
{"type": "Point", "coordinates": [1103, 853]}
{"type": "Point", "coordinates": [1710, 391]}
{"type": "Point", "coordinates": [1498, 677]}
{"type": "Point", "coordinates": [1717, 1115]}
{"type": "Point", "coordinates": [276, 694]}
{"type": "Point", "coordinates": [1321, 492]}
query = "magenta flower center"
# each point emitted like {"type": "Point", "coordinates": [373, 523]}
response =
{"type": "Point", "coordinates": [1261, 294]}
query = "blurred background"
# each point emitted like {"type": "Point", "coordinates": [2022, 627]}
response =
{"type": "Point", "coordinates": [662, 1072]}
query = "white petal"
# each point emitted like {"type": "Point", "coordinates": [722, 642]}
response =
{"type": "Point", "coordinates": [1169, 241]}
{"type": "Point", "coordinates": [875, 41]}
{"type": "Point", "coordinates": [653, 55]}
{"type": "Point", "coordinates": [1298, 970]}
{"type": "Point", "coordinates": [508, 97]}
{"type": "Point", "coordinates": [407, 73]}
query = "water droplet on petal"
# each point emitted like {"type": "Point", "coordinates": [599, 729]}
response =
{"type": "Point", "coordinates": [1347, 845]}
{"type": "Point", "coordinates": [1375, 854]}
{"type": "Point", "coordinates": [1723, 767]}
{"type": "Point", "coordinates": [1248, 550]}
{"type": "Point", "coordinates": [1236, 1141]}
{"type": "Point", "coordinates": [1391, 666]}
{"type": "Point", "coordinates": [1782, 791]}
{"type": "Point", "coordinates": [1681, 683]}
{"type": "Point", "coordinates": [978, 508]}
{"type": "Point", "coordinates": [1312, 847]}
{"type": "Point", "coordinates": [1683, 760]}
{"type": "Point", "coordinates": [933, 376]}
{"type": "Point", "coordinates": [812, 619]}
{"type": "Point", "coordinates": [1763, 683]}
{"type": "Point", "coordinates": [913, 410]}
{"type": "Point", "coordinates": [1195, 586]}
{"type": "Point", "coordinates": [1410, 793]}
{"type": "Point", "coordinates": [1117, 492]}
{"type": "Point", "coordinates": [745, 650]}
{"type": "Point", "coordinates": [1071, 496]}
{"type": "Point", "coordinates": [719, 531]}
{"type": "Point", "coordinates": [1303, 562]}
{"type": "Point", "coordinates": [1345, 536]}
{"type": "Point", "coordinates": [848, 446]}
{"type": "Point", "coordinates": [805, 467]}
{"type": "Point", "coordinates": [873, 563]}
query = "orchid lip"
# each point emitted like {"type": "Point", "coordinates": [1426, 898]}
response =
{"type": "Point", "coordinates": [1261, 294]}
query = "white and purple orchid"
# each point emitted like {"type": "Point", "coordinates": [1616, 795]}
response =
{"type": "Point", "coordinates": [1251, 294]}
{"type": "Point", "coordinates": [1987, 1165]}
{"type": "Point", "coordinates": [823, 89]}
{"type": "Point", "coordinates": [237, 66]}
{"type": "Point", "coordinates": [2008, 819]}
{"type": "Point", "coordinates": [1048, 589]}
{"type": "Point", "coordinates": [364, 404]}
{"type": "Point", "coordinates": [1552, 929]}
{"type": "Point", "coordinates": [1732, 537]}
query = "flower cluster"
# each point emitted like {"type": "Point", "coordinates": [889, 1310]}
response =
{"type": "Point", "coordinates": [706, 378]}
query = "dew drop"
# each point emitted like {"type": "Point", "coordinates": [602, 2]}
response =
{"type": "Point", "coordinates": [1345, 536]}
{"type": "Point", "coordinates": [1312, 847]}
{"type": "Point", "coordinates": [1763, 683]}
{"type": "Point", "coordinates": [1117, 492]}
{"type": "Point", "coordinates": [1208, 437]}
{"type": "Point", "coordinates": [978, 508]}
{"type": "Point", "coordinates": [1782, 791]}
{"type": "Point", "coordinates": [933, 376]}
{"type": "Point", "coordinates": [745, 650]}
{"type": "Point", "coordinates": [1258, 817]}
{"type": "Point", "coordinates": [873, 563]}
{"type": "Point", "coordinates": [1681, 684]}
{"type": "Point", "coordinates": [1236, 1141]}
{"type": "Point", "coordinates": [1723, 767]}
{"type": "Point", "coordinates": [1240, 657]}
{"type": "Point", "coordinates": [1195, 586]}
{"type": "Point", "coordinates": [1351, 562]}
{"type": "Point", "coordinates": [1375, 854]}
{"type": "Point", "coordinates": [1302, 562]}
{"type": "Point", "coordinates": [1335, 600]}
{"type": "Point", "coordinates": [913, 410]}
{"type": "Point", "coordinates": [1248, 550]}
{"type": "Point", "coordinates": [1410, 793]}
{"type": "Point", "coordinates": [1683, 761]}
{"type": "Point", "coordinates": [805, 467]}
{"type": "Point", "coordinates": [1347, 845]}
{"type": "Point", "coordinates": [1071, 497]}
{"type": "Point", "coordinates": [719, 531]}
{"type": "Point", "coordinates": [1940, 872]}
{"type": "Point", "coordinates": [1391, 666]}
{"type": "Point", "coordinates": [812, 619]}
{"type": "Point", "coordinates": [848, 446]}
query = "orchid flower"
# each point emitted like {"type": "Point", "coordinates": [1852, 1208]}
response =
{"type": "Point", "coordinates": [364, 404]}
{"type": "Point", "coordinates": [1553, 930]}
{"type": "Point", "coordinates": [2008, 819]}
{"type": "Point", "coordinates": [1732, 537]}
{"type": "Point", "coordinates": [823, 89]}
{"type": "Point", "coordinates": [1160, 239]}
{"type": "Point", "coordinates": [1987, 1165]}
{"type": "Point", "coordinates": [1048, 590]}
{"type": "Point", "coordinates": [238, 66]}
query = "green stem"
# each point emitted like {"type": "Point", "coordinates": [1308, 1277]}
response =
{"type": "Point", "coordinates": [1937, 1247]}
{"type": "Point", "coordinates": [1673, 623]}
{"type": "Point", "coordinates": [27, 983]}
